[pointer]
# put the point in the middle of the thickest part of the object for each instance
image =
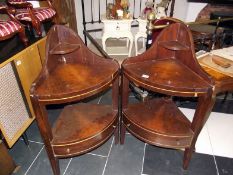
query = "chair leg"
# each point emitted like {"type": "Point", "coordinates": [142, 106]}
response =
{"type": "Point", "coordinates": [23, 37]}
{"type": "Point", "coordinates": [136, 45]}
{"type": "Point", "coordinates": [225, 97]}
{"type": "Point", "coordinates": [25, 139]}
{"type": "Point", "coordinates": [37, 26]}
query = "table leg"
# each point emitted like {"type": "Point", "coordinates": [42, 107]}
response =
{"type": "Point", "coordinates": [104, 43]}
{"type": "Point", "coordinates": [127, 42]}
{"type": "Point", "coordinates": [136, 44]}
{"type": "Point", "coordinates": [131, 45]}
{"type": "Point", "coordinates": [143, 42]}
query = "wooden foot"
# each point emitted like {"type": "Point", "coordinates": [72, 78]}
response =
{"type": "Point", "coordinates": [23, 37]}
{"type": "Point", "coordinates": [123, 131]}
{"type": "Point", "coordinates": [116, 135]}
{"type": "Point", "coordinates": [187, 157]}
{"type": "Point", "coordinates": [25, 139]}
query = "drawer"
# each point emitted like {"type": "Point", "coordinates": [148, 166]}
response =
{"type": "Point", "coordinates": [116, 26]}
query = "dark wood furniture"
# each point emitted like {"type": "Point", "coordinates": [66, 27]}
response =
{"type": "Point", "coordinates": [71, 73]}
{"type": "Point", "coordinates": [169, 67]}
{"type": "Point", "coordinates": [33, 16]}
{"type": "Point", "coordinates": [202, 38]}
{"type": "Point", "coordinates": [206, 37]}
{"type": "Point", "coordinates": [11, 26]}
{"type": "Point", "coordinates": [7, 165]}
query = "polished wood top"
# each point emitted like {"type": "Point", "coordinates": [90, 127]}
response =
{"type": "Point", "coordinates": [159, 116]}
{"type": "Point", "coordinates": [77, 122]}
{"type": "Point", "coordinates": [167, 74]}
{"type": "Point", "coordinates": [71, 70]}
{"type": "Point", "coordinates": [170, 65]}
{"type": "Point", "coordinates": [75, 79]}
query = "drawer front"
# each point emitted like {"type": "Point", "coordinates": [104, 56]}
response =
{"type": "Point", "coordinates": [114, 27]}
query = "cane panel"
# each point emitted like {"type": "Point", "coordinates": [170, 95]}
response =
{"type": "Point", "coordinates": [14, 117]}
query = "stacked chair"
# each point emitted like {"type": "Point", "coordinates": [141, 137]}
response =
{"type": "Point", "coordinates": [34, 17]}
{"type": "Point", "coordinates": [10, 26]}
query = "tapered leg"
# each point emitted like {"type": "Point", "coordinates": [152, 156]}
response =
{"type": "Point", "coordinates": [104, 38]}
{"type": "Point", "coordinates": [116, 134]}
{"type": "Point", "coordinates": [46, 133]}
{"type": "Point", "coordinates": [115, 106]}
{"type": "Point", "coordinates": [136, 44]}
{"type": "Point", "coordinates": [37, 26]}
{"type": "Point", "coordinates": [25, 139]}
{"type": "Point", "coordinates": [204, 107]}
{"type": "Point", "coordinates": [23, 37]}
{"type": "Point", "coordinates": [53, 160]}
{"type": "Point", "coordinates": [123, 131]}
{"type": "Point", "coordinates": [125, 96]}
{"type": "Point", "coordinates": [130, 45]}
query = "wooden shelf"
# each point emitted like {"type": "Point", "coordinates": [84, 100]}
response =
{"type": "Point", "coordinates": [64, 48]}
{"type": "Point", "coordinates": [168, 67]}
{"type": "Point", "coordinates": [164, 124]}
{"type": "Point", "coordinates": [173, 45]}
{"type": "Point", "coordinates": [166, 75]}
{"type": "Point", "coordinates": [71, 79]}
{"type": "Point", "coordinates": [79, 129]}
{"type": "Point", "coordinates": [79, 82]}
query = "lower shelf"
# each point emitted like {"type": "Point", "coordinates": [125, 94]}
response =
{"type": "Point", "coordinates": [158, 122]}
{"type": "Point", "coordinates": [81, 128]}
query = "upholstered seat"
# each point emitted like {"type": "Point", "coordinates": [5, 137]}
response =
{"type": "Point", "coordinates": [34, 16]}
{"type": "Point", "coordinates": [10, 26]}
{"type": "Point", "coordinates": [42, 14]}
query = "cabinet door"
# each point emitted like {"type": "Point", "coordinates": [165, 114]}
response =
{"type": "Point", "coordinates": [28, 66]}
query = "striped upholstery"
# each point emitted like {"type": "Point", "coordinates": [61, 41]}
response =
{"type": "Point", "coordinates": [41, 13]}
{"type": "Point", "coordinates": [8, 27]}
{"type": "Point", "coordinates": [2, 6]}
{"type": "Point", "coordinates": [16, 1]}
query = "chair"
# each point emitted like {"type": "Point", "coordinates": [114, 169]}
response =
{"type": "Point", "coordinates": [34, 16]}
{"type": "Point", "coordinates": [206, 37]}
{"type": "Point", "coordinates": [10, 26]}
{"type": "Point", "coordinates": [72, 73]}
{"type": "Point", "coordinates": [168, 67]}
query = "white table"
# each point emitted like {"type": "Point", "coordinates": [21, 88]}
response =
{"type": "Point", "coordinates": [117, 29]}
{"type": "Point", "coordinates": [141, 34]}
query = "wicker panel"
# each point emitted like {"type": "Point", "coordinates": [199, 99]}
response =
{"type": "Point", "coordinates": [13, 112]}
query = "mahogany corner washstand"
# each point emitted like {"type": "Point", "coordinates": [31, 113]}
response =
{"type": "Point", "coordinates": [169, 67]}
{"type": "Point", "coordinates": [71, 73]}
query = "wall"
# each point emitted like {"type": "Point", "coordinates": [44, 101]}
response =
{"type": "Point", "coordinates": [180, 9]}
{"type": "Point", "coordinates": [193, 9]}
